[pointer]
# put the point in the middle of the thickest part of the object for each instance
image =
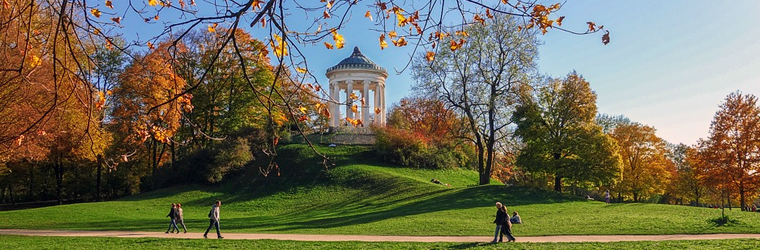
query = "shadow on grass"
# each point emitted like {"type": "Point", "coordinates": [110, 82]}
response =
{"type": "Point", "coordinates": [724, 221]}
{"type": "Point", "coordinates": [434, 201]}
{"type": "Point", "coordinates": [469, 245]}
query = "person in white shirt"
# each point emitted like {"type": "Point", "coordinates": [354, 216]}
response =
{"type": "Point", "coordinates": [213, 216]}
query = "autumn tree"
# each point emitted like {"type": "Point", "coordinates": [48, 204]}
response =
{"type": "Point", "coordinates": [139, 113]}
{"type": "Point", "coordinates": [427, 117]}
{"type": "Point", "coordinates": [480, 78]}
{"type": "Point", "coordinates": [732, 150]}
{"type": "Point", "coordinates": [688, 182]}
{"type": "Point", "coordinates": [646, 169]}
{"type": "Point", "coordinates": [424, 133]}
{"type": "Point", "coordinates": [556, 124]}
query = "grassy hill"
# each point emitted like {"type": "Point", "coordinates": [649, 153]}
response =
{"type": "Point", "coordinates": [359, 195]}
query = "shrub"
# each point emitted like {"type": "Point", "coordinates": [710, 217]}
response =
{"type": "Point", "coordinates": [408, 149]}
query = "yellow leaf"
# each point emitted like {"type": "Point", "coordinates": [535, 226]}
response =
{"type": "Point", "coordinates": [353, 96]}
{"type": "Point", "coordinates": [488, 14]}
{"type": "Point", "coordinates": [150, 45]}
{"type": "Point", "coordinates": [559, 20]}
{"type": "Point", "coordinates": [392, 34]}
{"type": "Point", "coordinates": [280, 48]}
{"type": "Point", "coordinates": [328, 45]}
{"type": "Point", "coordinates": [504, 2]}
{"type": "Point", "coordinates": [401, 19]}
{"type": "Point", "coordinates": [383, 44]}
{"type": "Point", "coordinates": [152, 2]}
{"type": "Point", "coordinates": [377, 110]}
{"type": "Point", "coordinates": [302, 109]}
{"type": "Point", "coordinates": [301, 70]}
{"type": "Point", "coordinates": [326, 14]}
{"type": "Point", "coordinates": [329, 4]}
{"type": "Point", "coordinates": [95, 12]}
{"type": "Point", "coordinates": [368, 15]}
{"type": "Point", "coordinates": [108, 4]}
{"type": "Point", "coordinates": [35, 61]}
{"type": "Point", "coordinates": [591, 26]}
{"type": "Point", "coordinates": [212, 27]}
{"type": "Point", "coordinates": [109, 92]}
{"type": "Point", "coordinates": [117, 20]}
{"type": "Point", "coordinates": [400, 42]}
{"type": "Point", "coordinates": [430, 56]}
{"type": "Point", "coordinates": [155, 17]}
{"type": "Point", "coordinates": [339, 41]}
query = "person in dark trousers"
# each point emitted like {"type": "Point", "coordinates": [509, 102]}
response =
{"type": "Point", "coordinates": [173, 216]}
{"type": "Point", "coordinates": [180, 218]}
{"type": "Point", "coordinates": [213, 216]}
{"type": "Point", "coordinates": [499, 221]}
{"type": "Point", "coordinates": [506, 227]}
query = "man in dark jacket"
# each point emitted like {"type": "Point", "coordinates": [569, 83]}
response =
{"type": "Point", "coordinates": [173, 215]}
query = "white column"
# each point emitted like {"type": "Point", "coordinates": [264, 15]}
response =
{"type": "Point", "coordinates": [382, 105]}
{"type": "Point", "coordinates": [376, 103]}
{"type": "Point", "coordinates": [365, 108]}
{"type": "Point", "coordinates": [335, 107]}
{"type": "Point", "coordinates": [349, 101]}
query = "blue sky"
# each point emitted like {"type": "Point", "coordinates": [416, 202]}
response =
{"type": "Point", "coordinates": [669, 64]}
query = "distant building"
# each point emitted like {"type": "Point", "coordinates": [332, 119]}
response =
{"type": "Point", "coordinates": [360, 76]}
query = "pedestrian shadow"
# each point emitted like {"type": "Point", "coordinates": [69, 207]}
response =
{"type": "Point", "coordinates": [470, 245]}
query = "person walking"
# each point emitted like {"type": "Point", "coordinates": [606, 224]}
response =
{"type": "Point", "coordinates": [499, 221]}
{"type": "Point", "coordinates": [607, 196]}
{"type": "Point", "coordinates": [180, 218]}
{"type": "Point", "coordinates": [213, 216]}
{"type": "Point", "coordinates": [173, 216]}
{"type": "Point", "coordinates": [506, 227]}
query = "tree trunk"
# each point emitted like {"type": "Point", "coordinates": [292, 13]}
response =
{"type": "Point", "coordinates": [10, 193]}
{"type": "Point", "coordinates": [98, 196]}
{"type": "Point", "coordinates": [30, 192]}
{"type": "Point", "coordinates": [635, 197]}
{"type": "Point", "coordinates": [558, 184]}
{"type": "Point", "coordinates": [741, 199]}
{"type": "Point", "coordinates": [174, 157]}
{"type": "Point", "coordinates": [153, 166]}
{"type": "Point", "coordinates": [59, 180]}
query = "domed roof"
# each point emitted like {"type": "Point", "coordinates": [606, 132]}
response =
{"type": "Point", "coordinates": [357, 60]}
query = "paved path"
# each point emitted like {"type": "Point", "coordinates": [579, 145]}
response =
{"type": "Point", "coordinates": [314, 237]}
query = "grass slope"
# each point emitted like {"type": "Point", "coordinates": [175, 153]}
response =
{"type": "Point", "coordinates": [358, 195]}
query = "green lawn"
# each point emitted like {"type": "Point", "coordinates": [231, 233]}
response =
{"type": "Point", "coordinates": [363, 197]}
{"type": "Point", "coordinates": [30, 242]}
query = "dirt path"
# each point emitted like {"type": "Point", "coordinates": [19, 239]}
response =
{"type": "Point", "coordinates": [314, 237]}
